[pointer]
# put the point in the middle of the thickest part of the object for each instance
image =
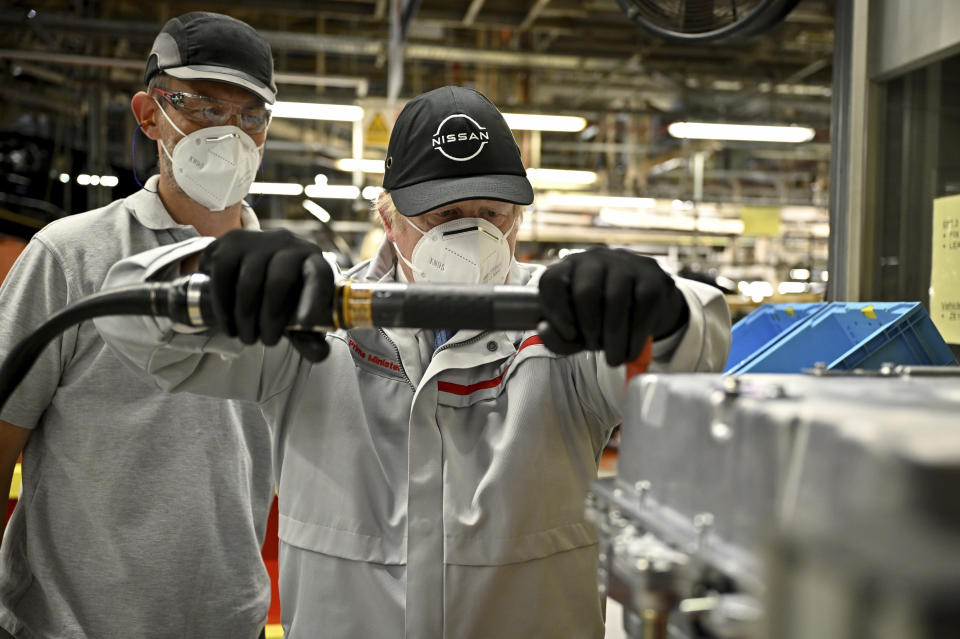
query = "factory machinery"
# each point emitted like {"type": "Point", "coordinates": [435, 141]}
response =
{"type": "Point", "coordinates": [802, 506]}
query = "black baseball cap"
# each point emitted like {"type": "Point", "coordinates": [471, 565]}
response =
{"type": "Point", "coordinates": [211, 46]}
{"type": "Point", "coordinates": [449, 145]}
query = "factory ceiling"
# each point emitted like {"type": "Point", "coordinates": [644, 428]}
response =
{"type": "Point", "coordinates": [69, 68]}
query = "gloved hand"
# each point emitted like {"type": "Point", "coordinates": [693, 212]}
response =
{"type": "Point", "coordinates": [256, 279]}
{"type": "Point", "coordinates": [609, 300]}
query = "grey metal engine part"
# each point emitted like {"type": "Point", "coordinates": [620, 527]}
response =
{"type": "Point", "coordinates": [785, 506]}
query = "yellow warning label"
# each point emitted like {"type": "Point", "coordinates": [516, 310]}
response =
{"type": "Point", "coordinates": [945, 271]}
{"type": "Point", "coordinates": [868, 312]}
{"type": "Point", "coordinates": [378, 133]}
{"type": "Point", "coordinates": [760, 220]}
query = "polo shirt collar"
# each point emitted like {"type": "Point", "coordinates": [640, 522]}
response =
{"type": "Point", "coordinates": [146, 207]}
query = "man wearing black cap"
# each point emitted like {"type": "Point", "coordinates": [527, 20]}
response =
{"type": "Point", "coordinates": [432, 483]}
{"type": "Point", "coordinates": [140, 514]}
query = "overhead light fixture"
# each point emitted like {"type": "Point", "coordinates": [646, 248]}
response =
{"type": "Point", "coordinates": [276, 188]}
{"type": "Point", "coordinates": [560, 178]}
{"type": "Point", "coordinates": [740, 132]}
{"type": "Point", "coordinates": [311, 111]}
{"type": "Point", "coordinates": [353, 164]}
{"type": "Point", "coordinates": [539, 122]}
{"type": "Point", "coordinates": [317, 211]}
{"type": "Point", "coordinates": [755, 290]}
{"type": "Point", "coordinates": [673, 222]}
{"type": "Point", "coordinates": [371, 192]}
{"type": "Point", "coordinates": [786, 288]}
{"type": "Point", "coordinates": [569, 200]}
{"type": "Point", "coordinates": [64, 177]}
{"type": "Point", "coordinates": [332, 191]}
{"type": "Point", "coordinates": [95, 180]}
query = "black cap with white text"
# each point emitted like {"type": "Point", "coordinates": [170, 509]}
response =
{"type": "Point", "coordinates": [449, 145]}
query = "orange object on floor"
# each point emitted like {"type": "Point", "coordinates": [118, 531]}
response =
{"type": "Point", "coordinates": [10, 249]}
{"type": "Point", "coordinates": [270, 554]}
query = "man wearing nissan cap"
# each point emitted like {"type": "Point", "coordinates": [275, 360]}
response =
{"type": "Point", "coordinates": [432, 482]}
{"type": "Point", "coordinates": [141, 514]}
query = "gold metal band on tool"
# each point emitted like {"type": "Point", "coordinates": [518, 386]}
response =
{"type": "Point", "coordinates": [357, 306]}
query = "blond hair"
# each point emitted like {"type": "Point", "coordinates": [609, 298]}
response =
{"type": "Point", "coordinates": [385, 205]}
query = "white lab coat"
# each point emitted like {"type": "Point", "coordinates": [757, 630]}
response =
{"type": "Point", "coordinates": [425, 495]}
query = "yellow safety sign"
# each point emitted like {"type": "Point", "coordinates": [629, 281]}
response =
{"type": "Point", "coordinates": [378, 133]}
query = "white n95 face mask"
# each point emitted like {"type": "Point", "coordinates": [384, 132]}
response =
{"type": "Point", "coordinates": [469, 250]}
{"type": "Point", "coordinates": [214, 166]}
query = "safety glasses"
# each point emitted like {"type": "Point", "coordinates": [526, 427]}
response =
{"type": "Point", "coordinates": [206, 111]}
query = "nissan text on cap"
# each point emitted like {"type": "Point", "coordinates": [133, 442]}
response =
{"type": "Point", "coordinates": [449, 145]}
{"type": "Point", "coordinates": [211, 46]}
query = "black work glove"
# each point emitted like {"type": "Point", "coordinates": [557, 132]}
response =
{"type": "Point", "coordinates": [256, 279]}
{"type": "Point", "coordinates": [608, 300]}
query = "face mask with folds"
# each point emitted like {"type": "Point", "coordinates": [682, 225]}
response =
{"type": "Point", "coordinates": [214, 166]}
{"type": "Point", "coordinates": [469, 250]}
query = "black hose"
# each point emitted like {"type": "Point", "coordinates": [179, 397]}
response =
{"type": "Point", "coordinates": [186, 300]}
{"type": "Point", "coordinates": [132, 300]}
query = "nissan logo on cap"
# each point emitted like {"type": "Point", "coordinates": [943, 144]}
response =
{"type": "Point", "coordinates": [459, 137]}
{"type": "Point", "coordinates": [452, 144]}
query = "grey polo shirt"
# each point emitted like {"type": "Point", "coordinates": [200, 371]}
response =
{"type": "Point", "coordinates": [141, 514]}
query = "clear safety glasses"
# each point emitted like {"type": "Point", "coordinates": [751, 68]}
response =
{"type": "Point", "coordinates": [206, 111]}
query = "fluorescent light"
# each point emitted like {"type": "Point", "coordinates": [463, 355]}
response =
{"type": "Point", "coordinates": [642, 220]}
{"type": "Point", "coordinates": [570, 200]}
{"type": "Point", "coordinates": [94, 180]}
{"type": "Point", "coordinates": [799, 274]}
{"type": "Point", "coordinates": [317, 211]}
{"type": "Point", "coordinates": [786, 288]}
{"type": "Point", "coordinates": [83, 179]}
{"type": "Point", "coordinates": [756, 290]}
{"type": "Point", "coordinates": [311, 111]}
{"type": "Point", "coordinates": [109, 180]}
{"type": "Point", "coordinates": [719, 225]}
{"type": "Point", "coordinates": [64, 178]}
{"type": "Point", "coordinates": [538, 122]}
{"type": "Point", "coordinates": [560, 178]}
{"type": "Point", "coordinates": [740, 132]}
{"type": "Point", "coordinates": [367, 166]}
{"type": "Point", "coordinates": [331, 191]}
{"type": "Point", "coordinates": [276, 188]}
{"type": "Point", "coordinates": [371, 192]}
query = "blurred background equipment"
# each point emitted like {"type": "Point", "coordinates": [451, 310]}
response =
{"type": "Point", "coordinates": [706, 20]}
{"type": "Point", "coordinates": [591, 97]}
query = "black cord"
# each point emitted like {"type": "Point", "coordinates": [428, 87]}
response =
{"type": "Point", "coordinates": [132, 300]}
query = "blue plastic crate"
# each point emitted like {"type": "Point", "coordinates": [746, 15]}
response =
{"type": "Point", "coordinates": [764, 325]}
{"type": "Point", "coordinates": [847, 335]}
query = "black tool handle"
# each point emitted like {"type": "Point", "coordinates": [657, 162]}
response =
{"type": "Point", "coordinates": [452, 306]}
